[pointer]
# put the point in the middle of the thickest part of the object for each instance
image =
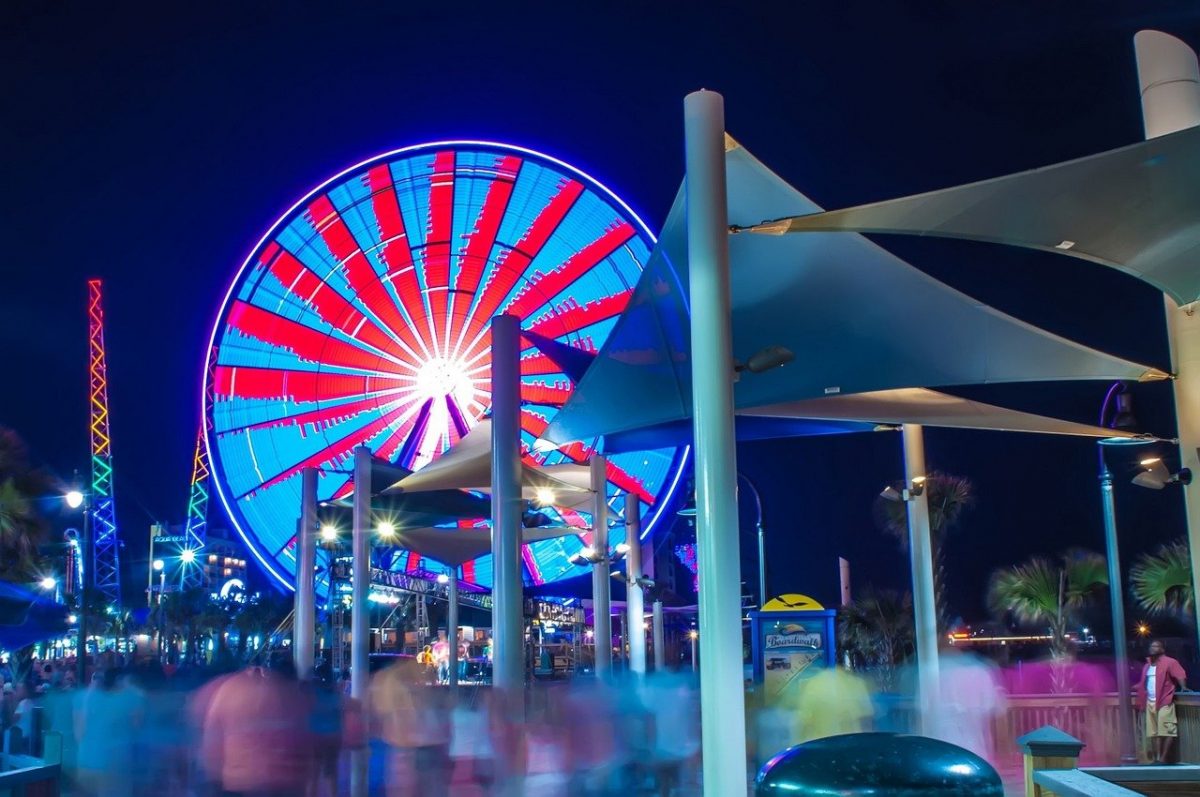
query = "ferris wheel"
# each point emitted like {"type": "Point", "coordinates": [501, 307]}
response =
{"type": "Point", "coordinates": [362, 318]}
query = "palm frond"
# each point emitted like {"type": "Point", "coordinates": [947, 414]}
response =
{"type": "Point", "coordinates": [1029, 591]}
{"type": "Point", "coordinates": [1161, 581]}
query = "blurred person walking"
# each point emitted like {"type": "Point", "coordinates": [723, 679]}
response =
{"type": "Point", "coordinates": [416, 728]}
{"type": "Point", "coordinates": [257, 739]}
{"type": "Point", "coordinates": [106, 724]}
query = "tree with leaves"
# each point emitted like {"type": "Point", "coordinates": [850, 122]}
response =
{"type": "Point", "coordinates": [876, 631]}
{"type": "Point", "coordinates": [22, 527]}
{"type": "Point", "coordinates": [1162, 581]}
{"type": "Point", "coordinates": [1049, 593]}
{"type": "Point", "coordinates": [948, 496]}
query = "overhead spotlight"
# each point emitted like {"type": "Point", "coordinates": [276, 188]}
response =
{"type": "Point", "coordinates": [1156, 476]}
{"type": "Point", "coordinates": [915, 489]}
{"type": "Point", "coordinates": [588, 553]}
{"type": "Point", "coordinates": [159, 564]}
{"type": "Point", "coordinates": [187, 556]}
{"type": "Point", "coordinates": [622, 548]}
{"type": "Point", "coordinates": [329, 533]}
{"type": "Point", "coordinates": [386, 529]}
{"type": "Point", "coordinates": [74, 499]}
{"type": "Point", "coordinates": [49, 582]}
{"type": "Point", "coordinates": [443, 578]}
{"type": "Point", "coordinates": [544, 496]}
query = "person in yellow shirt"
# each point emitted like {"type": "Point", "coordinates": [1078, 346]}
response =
{"type": "Point", "coordinates": [829, 703]}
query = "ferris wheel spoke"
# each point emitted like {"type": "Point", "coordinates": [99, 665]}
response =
{"type": "Point", "coordinates": [252, 382]}
{"type": "Point", "coordinates": [324, 416]}
{"type": "Point", "coordinates": [511, 265]}
{"type": "Point", "coordinates": [546, 395]}
{"type": "Point", "coordinates": [396, 254]}
{"type": "Point", "coordinates": [337, 451]}
{"type": "Point", "coordinates": [436, 252]}
{"type": "Point", "coordinates": [545, 286]}
{"type": "Point", "coordinates": [480, 242]}
{"type": "Point", "coordinates": [333, 308]}
{"type": "Point", "coordinates": [570, 316]}
{"type": "Point", "coordinates": [306, 343]}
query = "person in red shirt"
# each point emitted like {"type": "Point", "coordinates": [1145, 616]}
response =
{"type": "Point", "coordinates": [1161, 677]}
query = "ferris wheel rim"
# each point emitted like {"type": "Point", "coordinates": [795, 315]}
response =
{"type": "Point", "coordinates": [681, 455]}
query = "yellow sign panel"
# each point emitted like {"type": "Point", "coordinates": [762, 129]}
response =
{"type": "Point", "coordinates": [792, 602]}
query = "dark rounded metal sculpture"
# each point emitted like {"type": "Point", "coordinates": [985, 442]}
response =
{"type": "Point", "coordinates": [880, 765]}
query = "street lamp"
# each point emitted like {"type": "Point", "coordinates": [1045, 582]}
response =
{"type": "Point", "coordinates": [689, 510]}
{"type": "Point", "coordinates": [1123, 419]}
{"type": "Point", "coordinates": [187, 556]}
{"type": "Point", "coordinates": [78, 499]}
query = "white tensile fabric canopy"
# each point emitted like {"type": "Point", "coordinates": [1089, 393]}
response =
{"type": "Point", "coordinates": [453, 547]}
{"type": "Point", "coordinates": [858, 319]}
{"type": "Point", "coordinates": [468, 466]}
{"type": "Point", "coordinates": [1134, 209]}
{"type": "Point", "coordinates": [928, 408]}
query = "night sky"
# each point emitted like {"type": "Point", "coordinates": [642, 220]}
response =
{"type": "Point", "coordinates": [152, 147]}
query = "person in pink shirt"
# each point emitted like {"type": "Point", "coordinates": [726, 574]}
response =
{"type": "Point", "coordinates": [1161, 676]}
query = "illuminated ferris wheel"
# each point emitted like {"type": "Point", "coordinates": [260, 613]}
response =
{"type": "Point", "coordinates": [362, 318]}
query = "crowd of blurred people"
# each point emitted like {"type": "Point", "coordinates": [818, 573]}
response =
{"type": "Point", "coordinates": [260, 731]}
{"type": "Point", "coordinates": [142, 728]}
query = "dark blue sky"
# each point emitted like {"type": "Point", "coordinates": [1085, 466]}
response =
{"type": "Point", "coordinates": [153, 146]}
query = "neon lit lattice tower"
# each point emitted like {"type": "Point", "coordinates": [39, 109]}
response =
{"type": "Point", "coordinates": [106, 572]}
{"type": "Point", "coordinates": [196, 528]}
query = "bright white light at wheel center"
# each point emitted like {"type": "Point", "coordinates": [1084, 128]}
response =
{"type": "Point", "coordinates": [439, 377]}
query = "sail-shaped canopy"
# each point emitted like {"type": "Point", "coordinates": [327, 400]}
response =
{"type": "Point", "coordinates": [857, 318]}
{"type": "Point", "coordinates": [1136, 209]}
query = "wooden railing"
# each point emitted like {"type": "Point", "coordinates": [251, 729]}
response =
{"type": "Point", "coordinates": [1090, 718]}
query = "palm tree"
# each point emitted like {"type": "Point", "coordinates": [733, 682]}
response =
{"type": "Point", "coordinates": [22, 528]}
{"type": "Point", "coordinates": [948, 497]}
{"type": "Point", "coordinates": [876, 630]}
{"type": "Point", "coordinates": [1049, 593]}
{"type": "Point", "coordinates": [1162, 581]}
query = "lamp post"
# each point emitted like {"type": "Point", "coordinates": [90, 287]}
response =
{"type": "Point", "coordinates": [1122, 420]}
{"type": "Point", "coordinates": [77, 499]}
{"type": "Point", "coordinates": [690, 511]}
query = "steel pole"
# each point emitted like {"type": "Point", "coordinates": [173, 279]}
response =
{"type": "Point", "coordinates": [360, 582]}
{"type": "Point", "coordinates": [660, 642]}
{"type": "Point", "coordinates": [921, 561]}
{"type": "Point", "coordinates": [692, 636]}
{"type": "Point", "coordinates": [452, 626]}
{"type": "Point", "coordinates": [635, 607]}
{"type": "Point", "coordinates": [85, 548]}
{"type": "Point", "coordinates": [304, 627]}
{"type": "Point", "coordinates": [1169, 79]}
{"type": "Point", "coordinates": [508, 664]}
{"type": "Point", "coordinates": [601, 568]}
{"type": "Point", "coordinates": [1117, 605]}
{"type": "Point", "coordinates": [722, 700]}
{"type": "Point", "coordinates": [762, 548]}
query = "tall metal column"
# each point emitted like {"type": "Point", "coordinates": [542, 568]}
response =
{"type": "Point", "coordinates": [722, 700]}
{"type": "Point", "coordinates": [601, 568]}
{"type": "Point", "coordinates": [635, 607]}
{"type": "Point", "coordinates": [1169, 78]}
{"type": "Point", "coordinates": [452, 626]}
{"type": "Point", "coordinates": [304, 627]}
{"type": "Point", "coordinates": [1117, 605]}
{"type": "Point", "coordinates": [660, 637]}
{"type": "Point", "coordinates": [921, 555]}
{"type": "Point", "coordinates": [508, 663]}
{"type": "Point", "coordinates": [360, 585]}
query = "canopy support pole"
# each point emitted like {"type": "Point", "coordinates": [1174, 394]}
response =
{"type": "Point", "coordinates": [304, 606]}
{"type": "Point", "coordinates": [360, 585]}
{"type": "Point", "coordinates": [660, 641]}
{"type": "Point", "coordinates": [920, 550]}
{"type": "Point", "coordinates": [722, 700]}
{"type": "Point", "coordinates": [508, 667]}
{"type": "Point", "coordinates": [452, 628]}
{"type": "Point", "coordinates": [635, 607]}
{"type": "Point", "coordinates": [1169, 79]}
{"type": "Point", "coordinates": [601, 568]}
